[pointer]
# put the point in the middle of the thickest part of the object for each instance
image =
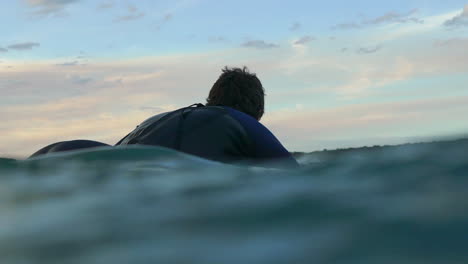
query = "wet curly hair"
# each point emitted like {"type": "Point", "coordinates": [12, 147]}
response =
{"type": "Point", "coordinates": [240, 89]}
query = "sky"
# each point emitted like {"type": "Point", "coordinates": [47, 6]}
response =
{"type": "Point", "coordinates": [336, 73]}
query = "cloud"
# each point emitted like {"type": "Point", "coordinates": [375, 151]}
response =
{"type": "Point", "coordinates": [3, 49]}
{"type": "Point", "coordinates": [106, 5]}
{"type": "Point", "coordinates": [394, 17]}
{"type": "Point", "coordinates": [70, 63]}
{"type": "Point", "coordinates": [431, 24]}
{"type": "Point", "coordinates": [304, 40]}
{"type": "Point", "coordinates": [80, 80]}
{"type": "Point", "coordinates": [23, 46]}
{"type": "Point", "coordinates": [351, 77]}
{"type": "Point", "coordinates": [133, 14]}
{"type": "Point", "coordinates": [13, 84]}
{"type": "Point", "coordinates": [462, 42]}
{"type": "Point", "coordinates": [295, 26]}
{"type": "Point", "coordinates": [259, 44]}
{"type": "Point", "coordinates": [218, 39]}
{"type": "Point", "coordinates": [152, 109]}
{"type": "Point", "coordinates": [49, 7]}
{"type": "Point", "coordinates": [165, 19]}
{"type": "Point", "coordinates": [132, 9]}
{"type": "Point", "coordinates": [369, 50]}
{"type": "Point", "coordinates": [129, 17]}
{"type": "Point", "coordinates": [460, 20]}
{"type": "Point", "coordinates": [389, 17]}
{"type": "Point", "coordinates": [344, 26]}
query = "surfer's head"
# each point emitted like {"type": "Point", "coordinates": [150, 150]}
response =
{"type": "Point", "coordinates": [239, 89]}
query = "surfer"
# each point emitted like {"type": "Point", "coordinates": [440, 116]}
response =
{"type": "Point", "coordinates": [227, 129]}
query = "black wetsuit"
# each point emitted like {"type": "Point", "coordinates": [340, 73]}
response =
{"type": "Point", "coordinates": [67, 146]}
{"type": "Point", "coordinates": [214, 132]}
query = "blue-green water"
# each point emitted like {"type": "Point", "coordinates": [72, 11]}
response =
{"type": "Point", "coordinates": [153, 205]}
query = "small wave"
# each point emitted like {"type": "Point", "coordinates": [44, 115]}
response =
{"type": "Point", "coordinates": [147, 204]}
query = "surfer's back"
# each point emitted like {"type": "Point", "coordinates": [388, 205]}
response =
{"type": "Point", "coordinates": [213, 132]}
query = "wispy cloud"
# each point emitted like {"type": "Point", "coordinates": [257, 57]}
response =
{"type": "Point", "coordinates": [462, 42]}
{"type": "Point", "coordinates": [49, 7]}
{"type": "Point", "coordinates": [394, 17]}
{"type": "Point", "coordinates": [133, 14]}
{"type": "Point", "coordinates": [69, 63]}
{"type": "Point", "coordinates": [165, 19]}
{"type": "Point", "coordinates": [3, 49]}
{"type": "Point", "coordinates": [153, 109]}
{"type": "Point", "coordinates": [389, 17]}
{"type": "Point", "coordinates": [259, 44]}
{"type": "Point", "coordinates": [344, 26]}
{"type": "Point", "coordinates": [129, 17]}
{"type": "Point", "coordinates": [79, 80]}
{"type": "Point", "coordinates": [431, 24]}
{"type": "Point", "coordinates": [295, 26]}
{"type": "Point", "coordinates": [218, 39]}
{"type": "Point", "coordinates": [23, 46]}
{"type": "Point", "coordinates": [460, 20]}
{"type": "Point", "coordinates": [304, 40]}
{"type": "Point", "coordinates": [13, 83]}
{"type": "Point", "coordinates": [106, 5]}
{"type": "Point", "coordinates": [369, 50]}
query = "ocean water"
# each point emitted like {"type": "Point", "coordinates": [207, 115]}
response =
{"type": "Point", "coordinates": [153, 205]}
